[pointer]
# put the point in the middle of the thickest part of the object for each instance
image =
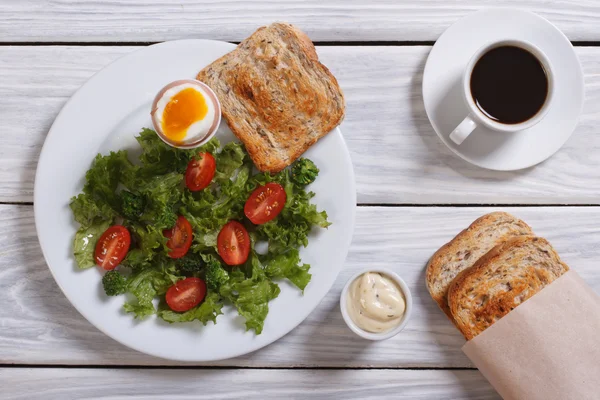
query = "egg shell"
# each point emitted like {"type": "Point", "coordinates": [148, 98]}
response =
{"type": "Point", "coordinates": [213, 128]}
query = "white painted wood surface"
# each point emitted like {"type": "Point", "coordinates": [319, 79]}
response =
{"type": "Point", "coordinates": [323, 20]}
{"type": "Point", "coordinates": [398, 160]}
{"type": "Point", "coordinates": [66, 384]}
{"type": "Point", "coordinates": [39, 326]}
{"type": "Point", "coordinates": [397, 157]}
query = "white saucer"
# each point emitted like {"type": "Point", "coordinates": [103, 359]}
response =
{"type": "Point", "coordinates": [446, 108]}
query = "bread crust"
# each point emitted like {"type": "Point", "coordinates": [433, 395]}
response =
{"type": "Point", "coordinates": [501, 280]}
{"type": "Point", "coordinates": [465, 249]}
{"type": "Point", "coordinates": [276, 96]}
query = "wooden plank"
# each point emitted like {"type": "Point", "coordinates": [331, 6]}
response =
{"type": "Point", "coordinates": [38, 324]}
{"type": "Point", "coordinates": [65, 384]}
{"type": "Point", "coordinates": [397, 156]}
{"type": "Point", "coordinates": [323, 20]}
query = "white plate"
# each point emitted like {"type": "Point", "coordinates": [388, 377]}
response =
{"type": "Point", "coordinates": [446, 108]}
{"type": "Point", "coordinates": [106, 114]}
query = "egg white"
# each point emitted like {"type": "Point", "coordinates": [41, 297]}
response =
{"type": "Point", "coordinates": [198, 129]}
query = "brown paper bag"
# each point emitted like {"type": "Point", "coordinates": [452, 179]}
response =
{"type": "Point", "coordinates": [547, 348]}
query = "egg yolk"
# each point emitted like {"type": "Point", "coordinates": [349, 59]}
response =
{"type": "Point", "coordinates": [183, 110]}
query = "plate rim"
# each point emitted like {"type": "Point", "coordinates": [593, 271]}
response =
{"type": "Point", "coordinates": [37, 204]}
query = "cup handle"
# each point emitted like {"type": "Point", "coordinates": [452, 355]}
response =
{"type": "Point", "coordinates": [463, 130]}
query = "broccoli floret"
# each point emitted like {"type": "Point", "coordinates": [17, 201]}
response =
{"type": "Point", "coordinates": [304, 172]}
{"type": "Point", "coordinates": [132, 205]}
{"type": "Point", "coordinates": [114, 283]}
{"type": "Point", "coordinates": [191, 263]}
{"type": "Point", "coordinates": [215, 274]}
{"type": "Point", "coordinates": [166, 217]}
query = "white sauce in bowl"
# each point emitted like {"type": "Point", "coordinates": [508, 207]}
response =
{"type": "Point", "coordinates": [375, 302]}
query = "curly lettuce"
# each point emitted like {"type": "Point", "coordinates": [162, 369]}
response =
{"type": "Point", "coordinates": [104, 177]}
{"type": "Point", "coordinates": [149, 283]}
{"type": "Point", "coordinates": [87, 211]}
{"type": "Point", "coordinates": [250, 292]}
{"type": "Point", "coordinates": [99, 201]}
{"type": "Point", "coordinates": [287, 265]}
{"type": "Point", "coordinates": [291, 228]}
{"type": "Point", "coordinates": [148, 195]}
{"type": "Point", "coordinates": [207, 311]}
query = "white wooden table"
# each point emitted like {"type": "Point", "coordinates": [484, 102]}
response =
{"type": "Point", "coordinates": [413, 196]}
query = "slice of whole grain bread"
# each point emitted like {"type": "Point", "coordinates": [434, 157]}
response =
{"type": "Point", "coordinates": [466, 248]}
{"type": "Point", "coordinates": [276, 96]}
{"type": "Point", "coordinates": [501, 280]}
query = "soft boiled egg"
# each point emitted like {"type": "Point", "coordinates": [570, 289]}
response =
{"type": "Point", "coordinates": [186, 113]}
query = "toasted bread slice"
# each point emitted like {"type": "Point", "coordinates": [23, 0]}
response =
{"type": "Point", "coordinates": [501, 280]}
{"type": "Point", "coordinates": [276, 96]}
{"type": "Point", "coordinates": [466, 248]}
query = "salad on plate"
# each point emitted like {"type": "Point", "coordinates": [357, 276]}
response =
{"type": "Point", "coordinates": [183, 232]}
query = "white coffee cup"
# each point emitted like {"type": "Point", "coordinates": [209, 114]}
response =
{"type": "Point", "coordinates": [477, 117]}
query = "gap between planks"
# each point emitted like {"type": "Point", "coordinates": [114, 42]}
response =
{"type": "Point", "coordinates": [324, 43]}
{"type": "Point", "coordinates": [578, 43]}
{"type": "Point", "coordinates": [222, 367]}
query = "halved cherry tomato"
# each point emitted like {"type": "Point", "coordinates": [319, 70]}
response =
{"type": "Point", "coordinates": [186, 294]}
{"type": "Point", "coordinates": [112, 247]}
{"type": "Point", "coordinates": [265, 203]}
{"type": "Point", "coordinates": [233, 243]}
{"type": "Point", "coordinates": [180, 237]}
{"type": "Point", "coordinates": [200, 173]}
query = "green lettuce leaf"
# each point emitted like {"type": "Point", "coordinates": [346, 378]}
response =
{"type": "Point", "coordinates": [85, 241]}
{"type": "Point", "coordinates": [286, 265]}
{"type": "Point", "coordinates": [87, 211]}
{"type": "Point", "coordinates": [163, 193]}
{"type": "Point", "coordinates": [163, 189]}
{"type": "Point", "coordinates": [104, 176]}
{"type": "Point", "coordinates": [229, 159]}
{"type": "Point", "coordinates": [208, 310]}
{"type": "Point", "coordinates": [149, 283]}
{"type": "Point", "coordinates": [150, 241]}
{"type": "Point", "coordinates": [209, 209]}
{"type": "Point", "coordinates": [233, 191]}
{"type": "Point", "coordinates": [139, 310]}
{"type": "Point", "coordinates": [158, 158]}
{"type": "Point", "coordinates": [250, 293]}
{"type": "Point", "coordinates": [137, 259]}
{"type": "Point", "coordinates": [291, 228]}
{"type": "Point", "coordinates": [203, 240]}
{"type": "Point", "coordinates": [301, 209]}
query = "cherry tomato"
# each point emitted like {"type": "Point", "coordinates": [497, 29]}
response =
{"type": "Point", "coordinates": [186, 294]}
{"type": "Point", "coordinates": [265, 203]}
{"type": "Point", "coordinates": [233, 243]}
{"type": "Point", "coordinates": [112, 247]}
{"type": "Point", "coordinates": [180, 237]}
{"type": "Point", "coordinates": [200, 173]}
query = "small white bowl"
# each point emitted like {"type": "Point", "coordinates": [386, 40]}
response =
{"type": "Point", "coordinates": [380, 335]}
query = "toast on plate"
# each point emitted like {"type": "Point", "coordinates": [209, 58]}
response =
{"type": "Point", "coordinates": [502, 279]}
{"type": "Point", "coordinates": [276, 96]}
{"type": "Point", "coordinates": [466, 248]}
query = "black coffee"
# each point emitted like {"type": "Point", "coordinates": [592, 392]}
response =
{"type": "Point", "coordinates": [509, 84]}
